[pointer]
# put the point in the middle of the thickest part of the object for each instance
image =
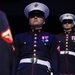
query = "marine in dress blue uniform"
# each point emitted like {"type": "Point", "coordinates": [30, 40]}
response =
{"type": "Point", "coordinates": [67, 45]}
{"type": "Point", "coordinates": [36, 51]}
{"type": "Point", "coordinates": [5, 45]}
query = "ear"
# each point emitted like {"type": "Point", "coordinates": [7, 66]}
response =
{"type": "Point", "coordinates": [73, 22]}
{"type": "Point", "coordinates": [72, 25]}
{"type": "Point", "coordinates": [44, 22]}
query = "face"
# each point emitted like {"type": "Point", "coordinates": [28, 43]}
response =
{"type": "Point", "coordinates": [67, 24]}
{"type": "Point", "coordinates": [36, 21]}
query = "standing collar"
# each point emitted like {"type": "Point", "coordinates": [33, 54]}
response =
{"type": "Point", "coordinates": [67, 32]}
{"type": "Point", "coordinates": [36, 31]}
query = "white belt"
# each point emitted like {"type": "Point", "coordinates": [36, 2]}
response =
{"type": "Point", "coordinates": [41, 62]}
{"type": "Point", "coordinates": [67, 52]}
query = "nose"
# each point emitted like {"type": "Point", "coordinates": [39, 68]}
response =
{"type": "Point", "coordinates": [35, 16]}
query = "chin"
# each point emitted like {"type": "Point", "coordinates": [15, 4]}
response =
{"type": "Point", "coordinates": [67, 28]}
{"type": "Point", "coordinates": [35, 24]}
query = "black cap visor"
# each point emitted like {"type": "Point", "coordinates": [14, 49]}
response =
{"type": "Point", "coordinates": [70, 21]}
{"type": "Point", "coordinates": [36, 13]}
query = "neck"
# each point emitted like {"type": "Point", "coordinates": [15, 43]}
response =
{"type": "Point", "coordinates": [36, 27]}
{"type": "Point", "coordinates": [68, 31]}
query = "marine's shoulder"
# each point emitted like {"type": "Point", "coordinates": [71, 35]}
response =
{"type": "Point", "coordinates": [21, 34]}
{"type": "Point", "coordinates": [49, 34]}
{"type": "Point", "coordinates": [60, 34]}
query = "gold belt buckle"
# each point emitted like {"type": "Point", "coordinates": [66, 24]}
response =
{"type": "Point", "coordinates": [66, 52]}
{"type": "Point", "coordinates": [34, 60]}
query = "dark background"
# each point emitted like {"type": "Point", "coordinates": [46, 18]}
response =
{"type": "Point", "coordinates": [14, 10]}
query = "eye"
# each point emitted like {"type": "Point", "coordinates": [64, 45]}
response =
{"type": "Point", "coordinates": [67, 21]}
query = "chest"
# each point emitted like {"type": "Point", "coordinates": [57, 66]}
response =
{"type": "Point", "coordinates": [70, 38]}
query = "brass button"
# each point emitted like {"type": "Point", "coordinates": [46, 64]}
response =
{"type": "Point", "coordinates": [59, 41]}
{"type": "Point", "coordinates": [34, 45]}
{"type": "Point", "coordinates": [66, 39]}
{"type": "Point", "coordinates": [34, 54]}
{"type": "Point", "coordinates": [66, 45]}
{"type": "Point", "coordinates": [34, 50]}
{"type": "Point", "coordinates": [44, 43]}
{"type": "Point", "coordinates": [35, 34]}
{"type": "Point", "coordinates": [39, 30]}
{"type": "Point", "coordinates": [66, 42]}
{"type": "Point", "coordinates": [24, 42]}
{"type": "Point", "coordinates": [35, 38]}
{"type": "Point", "coordinates": [66, 34]}
{"type": "Point", "coordinates": [35, 41]}
{"type": "Point", "coordinates": [66, 48]}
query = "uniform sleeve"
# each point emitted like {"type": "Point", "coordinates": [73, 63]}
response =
{"type": "Point", "coordinates": [15, 55]}
{"type": "Point", "coordinates": [55, 56]}
{"type": "Point", "coordinates": [6, 41]}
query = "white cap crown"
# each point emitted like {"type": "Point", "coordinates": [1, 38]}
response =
{"type": "Point", "coordinates": [67, 16]}
{"type": "Point", "coordinates": [36, 6]}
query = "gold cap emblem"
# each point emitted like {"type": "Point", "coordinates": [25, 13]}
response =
{"type": "Point", "coordinates": [67, 15]}
{"type": "Point", "coordinates": [36, 5]}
